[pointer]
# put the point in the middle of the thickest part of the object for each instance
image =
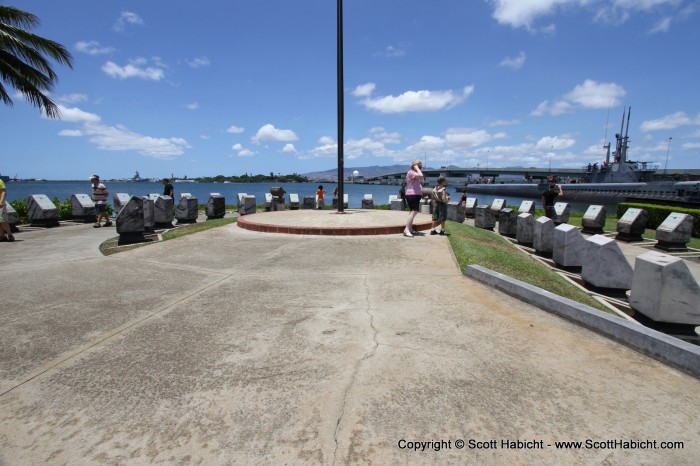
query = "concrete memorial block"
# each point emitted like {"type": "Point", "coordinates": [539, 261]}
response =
{"type": "Point", "coordinates": [498, 204]}
{"type": "Point", "coordinates": [119, 200]}
{"type": "Point", "coordinates": [268, 202]}
{"type": "Point", "coordinates": [543, 239]}
{"type": "Point", "coordinates": [507, 222]}
{"type": "Point", "coordinates": [664, 289]}
{"type": "Point", "coordinates": [153, 196]}
{"type": "Point", "coordinates": [674, 233]}
{"type": "Point", "coordinates": [277, 205]}
{"type": "Point", "coordinates": [470, 207]}
{"type": "Point", "coordinates": [309, 202]}
{"type": "Point", "coordinates": [527, 207]}
{"type": "Point", "coordinates": [396, 204]}
{"type": "Point", "coordinates": [187, 210]}
{"type": "Point", "coordinates": [294, 201]}
{"type": "Point", "coordinates": [41, 211]}
{"type": "Point", "coordinates": [164, 213]}
{"type": "Point", "coordinates": [525, 229]}
{"type": "Point", "coordinates": [562, 210]}
{"type": "Point", "coordinates": [83, 208]}
{"type": "Point", "coordinates": [425, 206]}
{"type": "Point", "coordinates": [149, 213]}
{"type": "Point", "coordinates": [593, 220]}
{"type": "Point", "coordinates": [346, 201]}
{"type": "Point", "coordinates": [216, 206]}
{"type": "Point", "coordinates": [248, 205]}
{"type": "Point", "coordinates": [455, 212]}
{"type": "Point", "coordinates": [631, 226]}
{"type": "Point", "coordinates": [130, 221]}
{"type": "Point", "coordinates": [484, 217]}
{"type": "Point", "coordinates": [185, 195]}
{"type": "Point", "coordinates": [392, 197]}
{"type": "Point", "coordinates": [569, 246]}
{"type": "Point", "coordinates": [12, 217]}
{"type": "Point", "coordinates": [604, 265]}
{"type": "Point", "coordinates": [368, 201]}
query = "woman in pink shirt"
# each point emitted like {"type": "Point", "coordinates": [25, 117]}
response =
{"type": "Point", "coordinates": [414, 192]}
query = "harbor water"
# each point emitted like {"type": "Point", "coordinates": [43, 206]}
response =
{"type": "Point", "coordinates": [65, 189]}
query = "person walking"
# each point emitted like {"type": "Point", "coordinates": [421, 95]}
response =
{"type": "Point", "coordinates": [100, 194]}
{"type": "Point", "coordinates": [168, 189]}
{"type": "Point", "coordinates": [5, 232]}
{"type": "Point", "coordinates": [414, 192]}
{"type": "Point", "coordinates": [319, 197]}
{"type": "Point", "coordinates": [440, 198]}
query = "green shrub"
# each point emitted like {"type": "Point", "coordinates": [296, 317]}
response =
{"type": "Point", "coordinates": [65, 208]}
{"type": "Point", "coordinates": [656, 214]}
{"type": "Point", "coordinates": [20, 205]}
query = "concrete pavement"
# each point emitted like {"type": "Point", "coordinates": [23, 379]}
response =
{"type": "Point", "coordinates": [237, 347]}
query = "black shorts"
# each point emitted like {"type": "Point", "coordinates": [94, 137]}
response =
{"type": "Point", "coordinates": [413, 202]}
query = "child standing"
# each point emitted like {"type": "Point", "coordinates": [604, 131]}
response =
{"type": "Point", "coordinates": [440, 198]}
{"type": "Point", "coordinates": [319, 197]}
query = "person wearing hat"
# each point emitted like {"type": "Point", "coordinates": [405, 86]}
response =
{"type": "Point", "coordinates": [99, 197]}
{"type": "Point", "coordinates": [548, 197]}
{"type": "Point", "coordinates": [440, 198]}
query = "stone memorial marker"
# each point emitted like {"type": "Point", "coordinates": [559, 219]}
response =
{"type": "Point", "coordinates": [12, 217]}
{"type": "Point", "coordinates": [346, 200]}
{"type": "Point", "coordinates": [309, 202]}
{"type": "Point", "coordinates": [216, 206]}
{"type": "Point", "coordinates": [425, 206]}
{"type": "Point", "coordinates": [120, 200]}
{"type": "Point", "coordinates": [130, 222]}
{"type": "Point", "coordinates": [664, 289]}
{"type": "Point", "coordinates": [149, 214]}
{"type": "Point", "coordinates": [525, 229]}
{"type": "Point", "coordinates": [241, 202]}
{"type": "Point", "coordinates": [248, 205]}
{"type": "Point", "coordinates": [83, 208]}
{"type": "Point", "coordinates": [543, 240]}
{"type": "Point", "coordinates": [186, 195]}
{"type": "Point", "coordinates": [604, 265]}
{"type": "Point", "coordinates": [396, 204]}
{"type": "Point", "coordinates": [470, 206]}
{"type": "Point", "coordinates": [562, 211]}
{"type": "Point", "coordinates": [527, 207]}
{"type": "Point", "coordinates": [268, 202]}
{"type": "Point", "coordinates": [455, 212]}
{"type": "Point", "coordinates": [593, 220]}
{"type": "Point", "coordinates": [507, 222]}
{"type": "Point", "coordinates": [392, 197]}
{"type": "Point", "coordinates": [569, 246]}
{"type": "Point", "coordinates": [675, 232]}
{"type": "Point", "coordinates": [368, 201]}
{"type": "Point", "coordinates": [187, 210]}
{"type": "Point", "coordinates": [164, 212]}
{"type": "Point", "coordinates": [278, 198]}
{"type": "Point", "coordinates": [484, 217]}
{"type": "Point", "coordinates": [631, 226]}
{"type": "Point", "coordinates": [294, 201]}
{"type": "Point", "coordinates": [41, 211]}
{"type": "Point", "coordinates": [498, 204]}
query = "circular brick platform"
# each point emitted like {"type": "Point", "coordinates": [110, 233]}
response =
{"type": "Point", "coordinates": [330, 222]}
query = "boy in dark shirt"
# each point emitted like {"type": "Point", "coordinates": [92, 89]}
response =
{"type": "Point", "coordinates": [548, 197]}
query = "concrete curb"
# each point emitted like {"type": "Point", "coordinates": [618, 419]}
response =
{"type": "Point", "coordinates": [669, 350]}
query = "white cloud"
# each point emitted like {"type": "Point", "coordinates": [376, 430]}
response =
{"type": "Point", "coordinates": [504, 122]}
{"type": "Point", "coordinates": [135, 69]}
{"type": "Point", "coordinates": [119, 138]}
{"type": "Point", "coordinates": [72, 98]}
{"type": "Point", "coordinates": [555, 143]}
{"type": "Point", "coordinates": [237, 147]}
{"type": "Point", "coordinates": [246, 153]}
{"type": "Point", "coordinates": [235, 129]}
{"type": "Point", "coordinates": [289, 148]}
{"type": "Point", "coordinates": [204, 137]}
{"type": "Point", "coordinates": [663, 25]}
{"type": "Point", "coordinates": [426, 144]}
{"type": "Point", "coordinates": [269, 133]}
{"type": "Point", "coordinates": [469, 137]}
{"type": "Point", "coordinates": [198, 62]}
{"type": "Point", "coordinates": [592, 94]}
{"type": "Point", "coordinates": [391, 52]}
{"type": "Point", "coordinates": [669, 122]}
{"type": "Point", "coordinates": [364, 90]}
{"type": "Point", "coordinates": [690, 146]}
{"type": "Point", "coordinates": [380, 134]}
{"type": "Point", "coordinates": [192, 106]}
{"type": "Point", "coordinates": [127, 17]}
{"type": "Point", "coordinates": [70, 132]}
{"type": "Point", "coordinates": [514, 63]}
{"type": "Point", "coordinates": [326, 140]}
{"type": "Point", "coordinates": [418, 101]}
{"type": "Point", "coordinates": [523, 13]}
{"type": "Point", "coordinates": [92, 47]}
{"type": "Point", "coordinates": [589, 94]}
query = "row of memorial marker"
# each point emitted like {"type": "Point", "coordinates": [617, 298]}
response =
{"type": "Point", "coordinates": [662, 286]}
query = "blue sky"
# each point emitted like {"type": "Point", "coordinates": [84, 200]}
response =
{"type": "Point", "coordinates": [214, 87]}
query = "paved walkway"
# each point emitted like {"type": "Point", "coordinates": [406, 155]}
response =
{"type": "Point", "coordinates": [237, 347]}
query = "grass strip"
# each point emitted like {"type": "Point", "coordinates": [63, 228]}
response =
{"type": "Point", "coordinates": [476, 246]}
